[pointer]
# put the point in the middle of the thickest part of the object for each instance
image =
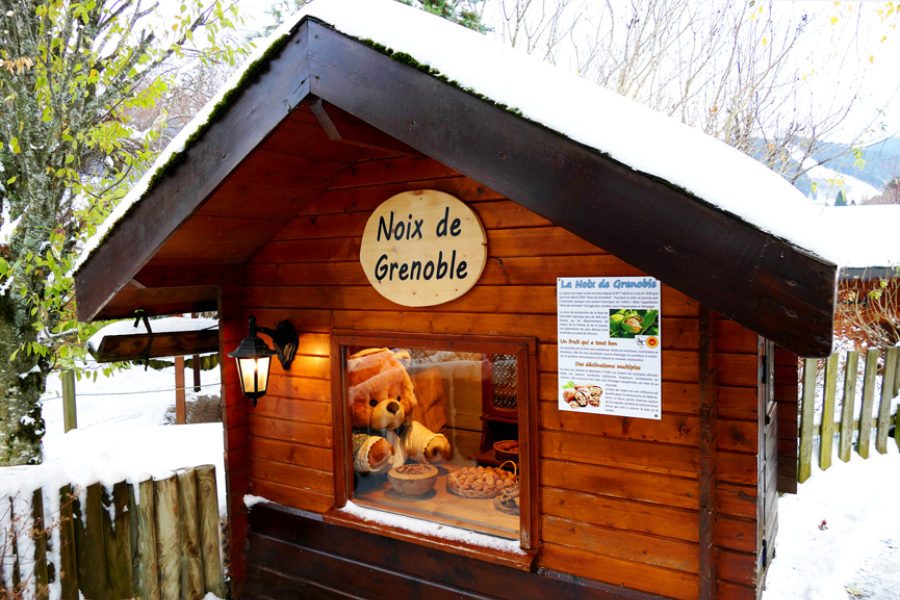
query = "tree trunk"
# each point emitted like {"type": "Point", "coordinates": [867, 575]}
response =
{"type": "Point", "coordinates": [21, 384]}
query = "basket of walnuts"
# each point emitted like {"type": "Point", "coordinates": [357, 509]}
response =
{"type": "Point", "coordinates": [482, 482]}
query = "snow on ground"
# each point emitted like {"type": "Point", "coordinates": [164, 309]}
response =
{"type": "Point", "coordinates": [856, 553]}
{"type": "Point", "coordinates": [121, 435]}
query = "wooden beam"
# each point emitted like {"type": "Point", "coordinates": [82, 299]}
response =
{"type": "Point", "coordinates": [116, 348]}
{"type": "Point", "coordinates": [70, 415]}
{"type": "Point", "coordinates": [760, 281]}
{"type": "Point", "coordinates": [259, 108]}
{"type": "Point", "coordinates": [160, 301]}
{"type": "Point", "coordinates": [179, 391]}
{"type": "Point", "coordinates": [708, 454]}
{"type": "Point", "coordinates": [343, 127]}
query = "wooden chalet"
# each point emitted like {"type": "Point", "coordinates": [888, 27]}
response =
{"type": "Point", "coordinates": [263, 215]}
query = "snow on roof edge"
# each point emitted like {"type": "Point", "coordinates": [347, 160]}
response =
{"type": "Point", "coordinates": [865, 235]}
{"type": "Point", "coordinates": [189, 135]}
{"type": "Point", "coordinates": [641, 139]}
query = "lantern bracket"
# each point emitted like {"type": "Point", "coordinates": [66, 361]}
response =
{"type": "Point", "coordinates": [285, 339]}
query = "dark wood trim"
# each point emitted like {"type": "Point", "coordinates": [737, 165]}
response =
{"type": "Point", "coordinates": [525, 349]}
{"type": "Point", "coordinates": [760, 281]}
{"type": "Point", "coordinates": [750, 276]}
{"type": "Point", "coordinates": [340, 417]}
{"type": "Point", "coordinates": [500, 344]}
{"type": "Point", "coordinates": [708, 454]}
{"type": "Point", "coordinates": [280, 85]}
{"type": "Point", "coordinates": [133, 346]}
{"type": "Point", "coordinates": [342, 127]}
{"type": "Point", "coordinates": [767, 462]}
{"type": "Point", "coordinates": [295, 554]}
{"type": "Point", "coordinates": [155, 301]}
{"type": "Point", "coordinates": [530, 512]}
{"type": "Point", "coordinates": [867, 273]}
{"type": "Point", "coordinates": [522, 562]}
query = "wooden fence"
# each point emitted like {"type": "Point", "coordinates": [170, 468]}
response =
{"type": "Point", "coordinates": [881, 367]}
{"type": "Point", "coordinates": [156, 540]}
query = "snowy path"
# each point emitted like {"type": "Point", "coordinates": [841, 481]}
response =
{"type": "Point", "coordinates": [856, 553]}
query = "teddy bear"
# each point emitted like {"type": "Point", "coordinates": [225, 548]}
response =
{"type": "Point", "coordinates": [382, 401]}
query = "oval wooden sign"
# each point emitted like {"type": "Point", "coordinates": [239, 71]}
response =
{"type": "Point", "coordinates": [423, 248]}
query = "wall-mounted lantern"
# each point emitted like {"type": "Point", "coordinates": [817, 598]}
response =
{"type": "Point", "coordinates": [254, 356]}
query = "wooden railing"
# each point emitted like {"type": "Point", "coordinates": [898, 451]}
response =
{"type": "Point", "coordinates": [155, 540]}
{"type": "Point", "coordinates": [881, 367]}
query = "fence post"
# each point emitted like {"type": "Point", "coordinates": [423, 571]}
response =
{"type": "Point", "coordinates": [209, 530]}
{"type": "Point", "coordinates": [896, 392]}
{"type": "Point", "coordinates": [179, 391]}
{"type": "Point", "coordinates": [70, 420]}
{"type": "Point", "coordinates": [826, 437]}
{"type": "Point", "coordinates": [91, 556]}
{"type": "Point", "coordinates": [168, 542]}
{"type": "Point", "coordinates": [143, 540]}
{"type": "Point", "coordinates": [807, 416]}
{"type": "Point", "coordinates": [189, 526]}
{"type": "Point", "coordinates": [887, 394]}
{"type": "Point", "coordinates": [847, 407]}
{"type": "Point", "coordinates": [41, 575]}
{"type": "Point", "coordinates": [117, 536]}
{"type": "Point", "coordinates": [67, 573]}
{"type": "Point", "coordinates": [865, 416]}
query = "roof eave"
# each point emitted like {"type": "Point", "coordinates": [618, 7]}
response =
{"type": "Point", "coordinates": [760, 281]}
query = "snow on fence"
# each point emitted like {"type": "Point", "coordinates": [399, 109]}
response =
{"type": "Point", "coordinates": [154, 540]}
{"type": "Point", "coordinates": [879, 379]}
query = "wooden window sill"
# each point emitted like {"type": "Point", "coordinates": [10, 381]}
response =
{"type": "Point", "coordinates": [522, 561]}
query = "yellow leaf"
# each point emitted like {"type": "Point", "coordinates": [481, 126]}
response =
{"type": "Point", "coordinates": [834, 20]}
{"type": "Point", "coordinates": [884, 38]}
{"type": "Point", "coordinates": [764, 41]}
{"type": "Point", "coordinates": [872, 59]}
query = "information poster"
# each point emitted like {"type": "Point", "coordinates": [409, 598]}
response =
{"type": "Point", "coordinates": [609, 346]}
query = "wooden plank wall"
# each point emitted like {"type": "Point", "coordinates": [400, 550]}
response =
{"type": "Point", "coordinates": [787, 386]}
{"type": "Point", "coordinates": [232, 329]}
{"type": "Point", "coordinates": [738, 536]}
{"type": "Point", "coordinates": [619, 497]}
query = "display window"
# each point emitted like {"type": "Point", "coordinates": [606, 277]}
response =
{"type": "Point", "coordinates": [437, 428]}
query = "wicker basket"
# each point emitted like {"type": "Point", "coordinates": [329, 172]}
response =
{"type": "Point", "coordinates": [455, 487]}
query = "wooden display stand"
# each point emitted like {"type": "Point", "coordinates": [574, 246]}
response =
{"type": "Point", "coordinates": [500, 415]}
{"type": "Point", "coordinates": [477, 514]}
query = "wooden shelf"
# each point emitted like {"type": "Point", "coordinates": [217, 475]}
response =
{"type": "Point", "coordinates": [475, 514]}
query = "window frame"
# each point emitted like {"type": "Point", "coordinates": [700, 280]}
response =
{"type": "Point", "coordinates": [525, 350]}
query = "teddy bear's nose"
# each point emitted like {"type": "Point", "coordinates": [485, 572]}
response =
{"type": "Point", "coordinates": [393, 407]}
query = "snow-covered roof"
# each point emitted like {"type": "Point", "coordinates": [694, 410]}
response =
{"type": "Point", "coordinates": [158, 326]}
{"type": "Point", "coordinates": [864, 236]}
{"type": "Point", "coordinates": [636, 136]}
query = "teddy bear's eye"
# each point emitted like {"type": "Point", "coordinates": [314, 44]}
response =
{"type": "Point", "coordinates": [398, 398]}
{"type": "Point", "coordinates": [373, 402]}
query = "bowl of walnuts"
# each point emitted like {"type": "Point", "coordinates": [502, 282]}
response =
{"type": "Point", "coordinates": [414, 479]}
{"type": "Point", "coordinates": [507, 450]}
